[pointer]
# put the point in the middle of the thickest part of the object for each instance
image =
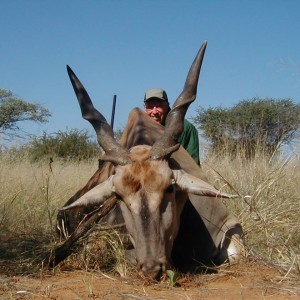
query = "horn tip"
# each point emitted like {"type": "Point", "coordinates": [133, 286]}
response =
{"type": "Point", "coordinates": [204, 44]}
{"type": "Point", "coordinates": [69, 70]}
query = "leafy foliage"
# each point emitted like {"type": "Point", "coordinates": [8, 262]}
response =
{"type": "Point", "coordinates": [172, 277]}
{"type": "Point", "coordinates": [263, 124]}
{"type": "Point", "coordinates": [69, 145]}
{"type": "Point", "coordinates": [14, 110]}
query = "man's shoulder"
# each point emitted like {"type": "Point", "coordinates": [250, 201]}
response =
{"type": "Point", "coordinates": [188, 125]}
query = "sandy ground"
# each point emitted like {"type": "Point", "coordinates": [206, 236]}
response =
{"type": "Point", "coordinates": [246, 280]}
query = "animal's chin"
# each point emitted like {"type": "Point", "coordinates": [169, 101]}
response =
{"type": "Point", "coordinates": [152, 276]}
{"type": "Point", "coordinates": [152, 270]}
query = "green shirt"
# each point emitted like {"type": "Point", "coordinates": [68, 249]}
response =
{"type": "Point", "coordinates": [189, 140]}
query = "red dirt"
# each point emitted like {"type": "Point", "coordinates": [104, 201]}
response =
{"type": "Point", "coordinates": [246, 280]}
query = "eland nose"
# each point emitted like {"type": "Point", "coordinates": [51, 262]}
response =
{"type": "Point", "coordinates": [153, 269]}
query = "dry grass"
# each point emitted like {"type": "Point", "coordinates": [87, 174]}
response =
{"type": "Point", "coordinates": [31, 194]}
{"type": "Point", "coordinates": [269, 206]}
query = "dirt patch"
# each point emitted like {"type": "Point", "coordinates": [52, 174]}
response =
{"type": "Point", "coordinates": [246, 280]}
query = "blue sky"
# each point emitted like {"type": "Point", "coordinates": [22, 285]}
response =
{"type": "Point", "coordinates": [125, 47]}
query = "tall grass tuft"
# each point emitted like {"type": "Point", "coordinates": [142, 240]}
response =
{"type": "Point", "coordinates": [269, 206]}
{"type": "Point", "coordinates": [31, 194]}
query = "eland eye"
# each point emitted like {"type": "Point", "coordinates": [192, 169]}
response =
{"type": "Point", "coordinates": [170, 189]}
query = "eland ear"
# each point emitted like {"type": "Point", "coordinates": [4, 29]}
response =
{"type": "Point", "coordinates": [197, 186]}
{"type": "Point", "coordinates": [95, 196]}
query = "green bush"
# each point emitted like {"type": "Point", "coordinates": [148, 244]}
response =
{"type": "Point", "coordinates": [251, 125]}
{"type": "Point", "coordinates": [67, 145]}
